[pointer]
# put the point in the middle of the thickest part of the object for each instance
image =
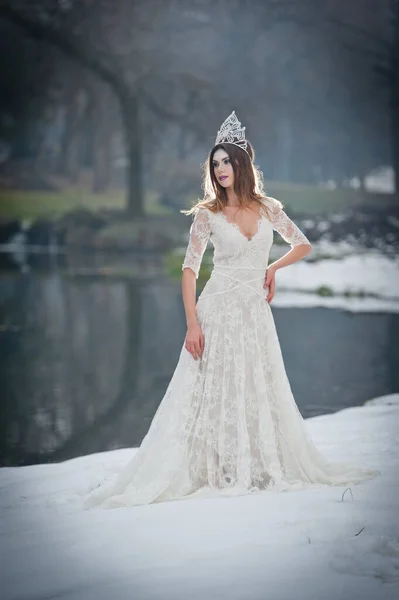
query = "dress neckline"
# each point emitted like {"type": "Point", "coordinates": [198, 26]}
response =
{"type": "Point", "coordinates": [236, 226]}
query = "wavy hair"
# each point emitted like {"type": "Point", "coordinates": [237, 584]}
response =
{"type": "Point", "coordinates": [248, 181]}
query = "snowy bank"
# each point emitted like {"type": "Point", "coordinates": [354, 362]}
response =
{"type": "Point", "coordinates": [358, 282]}
{"type": "Point", "coordinates": [298, 299]}
{"type": "Point", "coordinates": [317, 544]}
{"type": "Point", "coordinates": [355, 274]}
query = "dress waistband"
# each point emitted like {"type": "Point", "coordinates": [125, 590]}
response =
{"type": "Point", "coordinates": [239, 283]}
{"type": "Point", "coordinates": [249, 268]}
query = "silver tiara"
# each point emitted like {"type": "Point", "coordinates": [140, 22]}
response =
{"type": "Point", "coordinates": [231, 132]}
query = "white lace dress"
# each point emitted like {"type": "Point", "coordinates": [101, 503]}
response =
{"type": "Point", "coordinates": [228, 423]}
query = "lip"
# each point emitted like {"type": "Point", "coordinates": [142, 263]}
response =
{"type": "Point", "coordinates": [223, 177]}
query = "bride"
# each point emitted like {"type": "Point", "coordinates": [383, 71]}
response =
{"type": "Point", "coordinates": [228, 423]}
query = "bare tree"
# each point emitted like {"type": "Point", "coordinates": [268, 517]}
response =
{"type": "Point", "coordinates": [95, 34]}
{"type": "Point", "coordinates": [368, 31]}
{"type": "Point", "coordinates": [176, 68]}
{"type": "Point", "coordinates": [129, 43]}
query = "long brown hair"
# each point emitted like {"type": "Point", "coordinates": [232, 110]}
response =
{"type": "Point", "coordinates": [248, 181]}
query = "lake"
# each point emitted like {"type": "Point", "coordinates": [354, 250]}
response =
{"type": "Point", "coordinates": [85, 358]}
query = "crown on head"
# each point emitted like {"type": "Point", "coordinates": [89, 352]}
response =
{"type": "Point", "coordinates": [231, 132]}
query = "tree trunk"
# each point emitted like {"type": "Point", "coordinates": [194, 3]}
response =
{"type": "Point", "coordinates": [71, 142]}
{"type": "Point", "coordinates": [395, 145]}
{"type": "Point", "coordinates": [102, 138]}
{"type": "Point", "coordinates": [129, 106]}
{"type": "Point", "coordinates": [87, 57]}
{"type": "Point", "coordinates": [395, 95]}
{"type": "Point", "coordinates": [101, 168]}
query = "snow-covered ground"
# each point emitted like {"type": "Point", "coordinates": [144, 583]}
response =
{"type": "Point", "coordinates": [318, 544]}
{"type": "Point", "coordinates": [368, 273]}
{"type": "Point", "coordinates": [295, 299]}
{"type": "Point", "coordinates": [355, 281]}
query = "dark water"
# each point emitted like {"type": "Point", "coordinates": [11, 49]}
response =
{"type": "Point", "coordinates": [85, 360]}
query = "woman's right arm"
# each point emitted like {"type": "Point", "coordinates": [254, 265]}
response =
{"type": "Point", "coordinates": [194, 342]}
{"type": "Point", "coordinates": [199, 236]}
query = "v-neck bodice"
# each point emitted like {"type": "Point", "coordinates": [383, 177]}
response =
{"type": "Point", "coordinates": [232, 249]}
{"type": "Point", "coordinates": [256, 227]}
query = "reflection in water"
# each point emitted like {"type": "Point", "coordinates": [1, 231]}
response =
{"type": "Point", "coordinates": [85, 361]}
{"type": "Point", "coordinates": [337, 359]}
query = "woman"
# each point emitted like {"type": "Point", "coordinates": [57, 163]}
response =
{"type": "Point", "coordinates": [228, 423]}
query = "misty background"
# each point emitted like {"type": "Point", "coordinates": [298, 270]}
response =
{"type": "Point", "coordinates": [88, 87]}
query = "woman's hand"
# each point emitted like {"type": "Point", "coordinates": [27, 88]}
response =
{"type": "Point", "coordinates": [270, 282]}
{"type": "Point", "coordinates": [195, 341]}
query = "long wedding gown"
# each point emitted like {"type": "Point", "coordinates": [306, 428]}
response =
{"type": "Point", "coordinates": [228, 423]}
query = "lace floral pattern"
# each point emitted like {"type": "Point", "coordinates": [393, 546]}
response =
{"type": "Point", "coordinates": [200, 231]}
{"type": "Point", "coordinates": [228, 423]}
{"type": "Point", "coordinates": [285, 227]}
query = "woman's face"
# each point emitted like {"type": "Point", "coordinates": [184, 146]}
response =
{"type": "Point", "coordinates": [223, 168]}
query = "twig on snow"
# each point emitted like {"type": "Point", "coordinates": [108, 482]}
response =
{"type": "Point", "coordinates": [342, 499]}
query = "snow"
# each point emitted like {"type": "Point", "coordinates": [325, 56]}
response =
{"type": "Point", "coordinates": [317, 544]}
{"type": "Point", "coordinates": [353, 274]}
{"type": "Point", "coordinates": [381, 179]}
{"type": "Point", "coordinates": [371, 274]}
{"type": "Point", "coordinates": [287, 299]}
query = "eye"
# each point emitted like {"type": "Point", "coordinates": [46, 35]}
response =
{"type": "Point", "coordinates": [226, 160]}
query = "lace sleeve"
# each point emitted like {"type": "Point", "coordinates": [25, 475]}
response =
{"type": "Point", "coordinates": [199, 235]}
{"type": "Point", "coordinates": [285, 227]}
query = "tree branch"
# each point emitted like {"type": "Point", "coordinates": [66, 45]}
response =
{"type": "Point", "coordinates": [367, 36]}
{"type": "Point", "coordinates": [68, 44]}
